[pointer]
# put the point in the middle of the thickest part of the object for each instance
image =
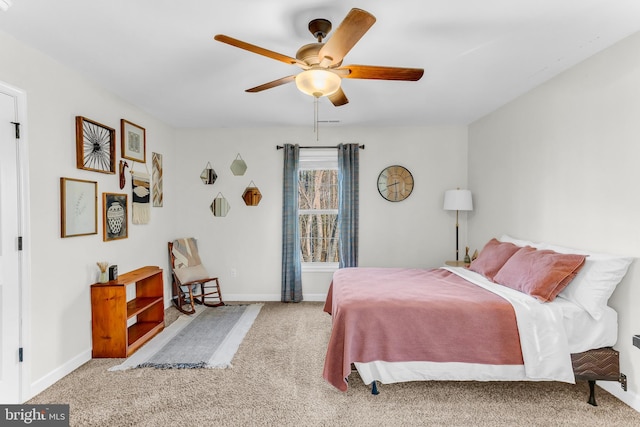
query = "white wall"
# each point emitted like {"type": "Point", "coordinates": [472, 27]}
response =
{"type": "Point", "coordinates": [63, 269]}
{"type": "Point", "coordinates": [242, 248]}
{"type": "Point", "coordinates": [413, 233]}
{"type": "Point", "coordinates": [560, 164]}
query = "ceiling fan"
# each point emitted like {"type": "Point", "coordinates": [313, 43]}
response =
{"type": "Point", "coordinates": [322, 62]}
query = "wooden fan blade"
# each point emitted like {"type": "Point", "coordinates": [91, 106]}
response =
{"type": "Point", "coordinates": [380, 73]}
{"type": "Point", "coordinates": [274, 83]}
{"type": "Point", "coordinates": [338, 98]}
{"type": "Point", "coordinates": [351, 29]}
{"type": "Point", "coordinates": [259, 50]}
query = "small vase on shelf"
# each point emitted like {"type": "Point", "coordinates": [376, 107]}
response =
{"type": "Point", "coordinates": [467, 260]}
{"type": "Point", "coordinates": [104, 277]}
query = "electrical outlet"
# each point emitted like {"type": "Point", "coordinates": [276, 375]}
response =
{"type": "Point", "coordinates": [636, 340]}
{"type": "Point", "coordinates": [234, 273]}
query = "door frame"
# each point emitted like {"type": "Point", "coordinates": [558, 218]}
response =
{"type": "Point", "coordinates": [24, 230]}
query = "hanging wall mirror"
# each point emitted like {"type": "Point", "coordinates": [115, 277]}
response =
{"type": "Point", "coordinates": [251, 195]}
{"type": "Point", "coordinates": [220, 206]}
{"type": "Point", "coordinates": [208, 175]}
{"type": "Point", "coordinates": [238, 166]}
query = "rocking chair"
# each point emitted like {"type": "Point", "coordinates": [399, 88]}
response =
{"type": "Point", "coordinates": [191, 282]}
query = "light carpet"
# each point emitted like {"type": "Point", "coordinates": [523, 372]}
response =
{"type": "Point", "coordinates": [207, 339]}
{"type": "Point", "coordinates": [277, 381]}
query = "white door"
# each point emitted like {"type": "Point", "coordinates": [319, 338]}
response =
{"type": "Point", "coordinates": [10, 302]}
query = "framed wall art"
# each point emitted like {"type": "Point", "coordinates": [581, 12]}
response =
{"type": "Point", "coordinates": [95, 146]}
{"type": "Point", "coordinates": [78, 207]}
{"type": "Point", "coordinates": [114, 216]}
{"type": "Point", "coordinates": [156, 178]}
{"type": "Point", "coordinates": [134, 141]}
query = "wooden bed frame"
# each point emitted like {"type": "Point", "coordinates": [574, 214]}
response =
{"type": "Point", "coordinates": [598, 364]}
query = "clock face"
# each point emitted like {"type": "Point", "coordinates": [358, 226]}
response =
{"type": "Point", "coordinates": [395, 183]}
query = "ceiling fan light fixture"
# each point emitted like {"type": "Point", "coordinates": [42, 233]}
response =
{"type": "Point", "coordinates": [318, 82]}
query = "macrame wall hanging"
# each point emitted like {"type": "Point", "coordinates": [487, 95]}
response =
{"type": "Point", "coordinates": [141, 196]}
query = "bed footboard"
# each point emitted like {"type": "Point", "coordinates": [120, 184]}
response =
{"type": "Point", "coordinates": [597, 364]}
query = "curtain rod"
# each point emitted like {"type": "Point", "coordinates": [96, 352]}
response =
{"type": "Point", "coordinates": [280, 147]}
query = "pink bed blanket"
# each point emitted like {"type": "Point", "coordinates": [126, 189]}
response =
{"type": "Point", "coordinates": [400, 315]}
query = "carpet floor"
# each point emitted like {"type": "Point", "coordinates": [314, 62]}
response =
{"type": "Point", "coordinates": [276, 380]}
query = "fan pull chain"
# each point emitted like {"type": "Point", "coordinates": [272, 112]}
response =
{"type": "Point", "coordinates": [316, 128]}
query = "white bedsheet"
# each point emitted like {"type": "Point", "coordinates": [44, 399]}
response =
{"type": "Point", "coordinates": [549, 333]}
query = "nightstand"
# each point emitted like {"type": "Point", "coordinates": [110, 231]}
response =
{"type": "Point", "coordinates": [457, 263]}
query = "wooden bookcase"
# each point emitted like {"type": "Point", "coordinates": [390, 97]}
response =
{"type": "Point", "coordinates": [111, 312]}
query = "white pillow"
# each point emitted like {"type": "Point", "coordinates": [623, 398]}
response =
{"type": "Point", "coordinates": [518, 242]}
{"type": "Point", "coordinates": [191, 274]}
{"type": "Point", "coordinates": [595, 282]}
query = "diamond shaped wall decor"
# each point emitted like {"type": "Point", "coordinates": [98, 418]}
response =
{"type": "Point", "coordinates": [220, 206]}
{"type": "Point", "coordinates": [251, 195]}
{"type": "Point", "coordinates": [208, 175]}
{"type": "Point", "coordinates": [238, 166]}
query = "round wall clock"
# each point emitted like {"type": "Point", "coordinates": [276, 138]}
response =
{"type": "Point", "coordinates": [395, 183]}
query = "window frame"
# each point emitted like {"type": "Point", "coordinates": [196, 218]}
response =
{"type": "Point", "coordinates": [318, 159]}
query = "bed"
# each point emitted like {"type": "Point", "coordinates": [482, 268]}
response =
{"type": "Point", "coordinates": [522, 311]}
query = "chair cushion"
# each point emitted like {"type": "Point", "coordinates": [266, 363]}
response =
{"type": "Point", "coordinates": [191, 274]}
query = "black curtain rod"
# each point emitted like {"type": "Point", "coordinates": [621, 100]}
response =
{"type": "Point", "coordinates": [280, 147]}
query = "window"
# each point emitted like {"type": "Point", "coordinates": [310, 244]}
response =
{"type": "Point", "coordinates": [318, 208]}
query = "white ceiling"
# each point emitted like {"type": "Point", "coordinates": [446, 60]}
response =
{"type": "Point", "coordinates": [160, 54]}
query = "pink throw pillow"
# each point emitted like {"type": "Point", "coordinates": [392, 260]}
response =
{"type": "Point", "coordinates": [492, 258]}
{"type": "Point", "coordinates": [543, 274]}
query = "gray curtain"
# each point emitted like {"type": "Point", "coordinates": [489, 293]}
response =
{"type": "Point", "coordinates": [348, 198]}
{"type": "Point", "coordinates": [291, 268]}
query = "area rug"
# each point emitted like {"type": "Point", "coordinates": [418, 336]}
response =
{"type": "Point", "coordinates": [207, 339]}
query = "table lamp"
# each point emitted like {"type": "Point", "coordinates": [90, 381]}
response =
{"type": "Point", "coordinates": [457, 200]}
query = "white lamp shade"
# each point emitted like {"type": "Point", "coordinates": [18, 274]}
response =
{"type": "Point", "coordinates": [318, 82]}
{"type": "Point", "coordinates": [458, 200]}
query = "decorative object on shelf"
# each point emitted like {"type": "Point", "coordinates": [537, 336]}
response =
{"type": "Point", "coordinates": [251, 195]}
{"type": "Point", "coordinates": [123, 179]}
{"type": "Point", "coordinates": [78, 207]}
{"type": "Point", "coordinates": [114, 217]}
{"type": "Point", "coordinates": [457, 200]}
{"type": "Point", "coordinates": [208, 175]}
{"type": "Point", "coordinates": [238, 166]}
{"type": "Point", "coordinates": [140, 202]}
{"type": "Point", "coordinates": [102, 265]}
{"type": "Point", "coordinates": [395, 183]}
{"type": "Point", "coordinates": [220, 206]}
{"type": "Point", "coordinates": [156, 177]}
{"type": "Point", "coordinates": [113, 272]}
{"type": "Point", "coordinates": [475, 255]}
{"type": "Point", "coordinates": [467, 259]}
{"type": "Point", "coordinates": [95, 146]}
{"type": "Point", "coordinates": [134, 141]}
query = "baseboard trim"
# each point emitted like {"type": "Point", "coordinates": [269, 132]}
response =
{"type": "Point", "coordinates": [613, 387]}
{"type": "Point", "coordinates": [271, 297]}
{"type": "Point", "coordinates": [57, 374]}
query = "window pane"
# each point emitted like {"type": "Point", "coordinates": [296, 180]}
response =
{"type": "Point", "coordinates": [318, 216]}
{"type": "Point", "coordinates": [319, 237]}
{"type": "Point", "coordinates": [318, 189]}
